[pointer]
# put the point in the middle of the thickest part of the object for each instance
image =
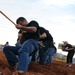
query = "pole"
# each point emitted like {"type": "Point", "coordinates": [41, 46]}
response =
{"type": "Point", "coordinates": [7, 17]}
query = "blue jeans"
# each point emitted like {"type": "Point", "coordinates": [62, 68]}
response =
{"type": "Point", "coordinates": [23, 54]}
{"type": "Point", "coordinates": [10, 53]}
{"type": "Point", "coordinates": [46, 55]}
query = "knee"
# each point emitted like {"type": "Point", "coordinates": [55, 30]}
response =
{"type": "Point", "coordinates": [5, 48]}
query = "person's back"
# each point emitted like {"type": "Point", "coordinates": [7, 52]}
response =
{"type": "Point", "coordinates": [48, 40]}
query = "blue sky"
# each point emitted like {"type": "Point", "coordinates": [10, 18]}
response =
{"type": "Point", "coordinates": [58, 16]}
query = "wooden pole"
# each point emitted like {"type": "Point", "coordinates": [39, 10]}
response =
{"type": "Point", "coordinates": [7, 17]}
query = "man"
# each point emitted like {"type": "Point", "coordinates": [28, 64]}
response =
{"type": "Point", "coordinates": [48, 50]}
{"type": "Point", "coordinates": [68, 47]}
{"type": "Point", "coordinates": [29, 41]}
{"type": "Point", "coordinates": [18, 44]}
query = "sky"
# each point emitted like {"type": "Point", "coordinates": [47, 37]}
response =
{"type": "Point", "coordinates": [58, 16]}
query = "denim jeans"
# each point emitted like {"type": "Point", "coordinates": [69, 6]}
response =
{"type": "Point", "coordinates": [23, 54]}
{"type": "Point", "coordinates": [10, 53]}
{"type": "Point", "coordinates": [46, 55]}
{"type": "Point", "coordinates": [52, 53]}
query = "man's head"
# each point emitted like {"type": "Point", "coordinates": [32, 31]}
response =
{"type": "Point", "coordinates": [22, 21]}
{"type": "Point", "coordinates": [65, 42]}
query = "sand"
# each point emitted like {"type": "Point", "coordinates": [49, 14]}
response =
{"type": "Point", "coordinates": [56, 68]}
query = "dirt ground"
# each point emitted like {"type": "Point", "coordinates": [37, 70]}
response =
{"type": "Point", "coordinates": [56, 68]}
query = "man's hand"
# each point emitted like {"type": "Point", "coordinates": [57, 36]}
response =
{"type": "Point", "coordinates": [18, 26]}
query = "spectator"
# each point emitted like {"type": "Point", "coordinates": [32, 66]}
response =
{"type": "Point", "coordinates": [68, 47]}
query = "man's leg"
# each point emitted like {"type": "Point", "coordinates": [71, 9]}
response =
{"type": "Point", "coordinates": [24, 52]}
{"type": "Point", "coordinates": [71, 57]}
{"type": "Point", "coordinates": [10, 52]}
{"type": "Point", "coordinates": [41, 56]}
{"type": "Point", "coordinates": [52, 52]}
{"type": "Point", "coordinates": [44, 56]}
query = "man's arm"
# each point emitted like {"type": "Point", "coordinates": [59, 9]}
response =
{"type": "Point", "coordinates": [28, 29]}
{"type": "Point", "coordinates": [69, 49]}
{"type": "Point", "coordinates": [43, 36]}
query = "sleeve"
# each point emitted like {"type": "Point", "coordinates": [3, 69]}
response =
{"type": "Point", "coordinates": [42, 30]}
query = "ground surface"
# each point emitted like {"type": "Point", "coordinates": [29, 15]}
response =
{"type": "Point", "coordinates": [56, 68]}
